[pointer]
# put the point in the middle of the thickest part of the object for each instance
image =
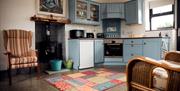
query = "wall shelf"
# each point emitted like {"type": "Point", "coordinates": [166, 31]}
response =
{"type": "Point", "coordinates": [50, 19]}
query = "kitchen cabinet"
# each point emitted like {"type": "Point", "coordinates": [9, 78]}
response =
{"type": "Point", "coordinates": [82, 53]}
{"type": "Point", "coordinates": [84, 12]}
{"type": "Point", "coordinates": [149, 47]}
{"type": "Point", "coordinates": [112, 10]}
{"type": "Point", "coordinates": [131, 48]}
{"type": "Point", "coordinates": [99, 51]}
{"type": "Point", "coordinates": [134, 12]}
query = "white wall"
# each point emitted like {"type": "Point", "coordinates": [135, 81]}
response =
{"type": "Point", "coordinates": [127, 30]}
{"type": "Point", "coordinates": [15, 14]}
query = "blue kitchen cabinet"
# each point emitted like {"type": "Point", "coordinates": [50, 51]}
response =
{"type": "Point", "coordinates": [156, 48]}
{"type": "Point", "coordinates": [149, 47]}
{"type": "Point", "coordinates": [112, 10]}
{"type": "Point", "coordinates": [134, 12]}
{"type": "Point", "coordinates": [152, 48]}
{"type": "Point", "coordinates": [132, 48]}
{"type": "Point", "coordinates": [84, 12]}
{"type": "Point", "coordinates": [99, 51]}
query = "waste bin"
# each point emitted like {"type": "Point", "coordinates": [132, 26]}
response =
{"type": "Point", "coordinates": [56, 65]}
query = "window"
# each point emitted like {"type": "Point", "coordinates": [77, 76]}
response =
{"type": "Point", "coordinates": [162, 18]}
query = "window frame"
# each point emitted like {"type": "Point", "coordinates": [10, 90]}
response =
{"type": "Point", "coordinates": [151, 15]}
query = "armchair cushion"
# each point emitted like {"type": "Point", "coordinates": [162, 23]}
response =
{"type": "Point", "coordinates": [23, 60]}
{"type": "Point", "coordinates": [160, 77]}
{"type": "Point", "coordinates": [24, 65]}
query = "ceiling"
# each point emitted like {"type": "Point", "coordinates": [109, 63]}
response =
{"type": "Point", "coordinates": [111, 1]}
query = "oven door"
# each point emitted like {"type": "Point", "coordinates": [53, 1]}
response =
{"type": "Point", "coordinates": [113, 49]}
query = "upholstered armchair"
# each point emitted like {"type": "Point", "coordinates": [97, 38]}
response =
{"type": "Point", "coordinates": [18, 49]}
{"type": "Point", "coordinates": [146, 74]}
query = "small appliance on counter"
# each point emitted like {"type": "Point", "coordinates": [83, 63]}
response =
{"type": "Point", "coordinates": [100, 35]}
{"type": "Point", "coordinates": [75, 34]}
{"type": "Point", "coordinates": [89, 35]}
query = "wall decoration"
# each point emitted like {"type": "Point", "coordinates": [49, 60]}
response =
{"type": "Point", "coordinates": [51, 7]}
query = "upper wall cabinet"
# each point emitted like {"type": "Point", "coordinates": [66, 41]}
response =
{"type": "Point", "coordinates": [134, 12]}
{"type": "Point", "coordinates": [84, 12]}
{"type": "Point", "coordinates": [112, 10]}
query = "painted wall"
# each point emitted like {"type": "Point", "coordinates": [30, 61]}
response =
{"type": "Point", "coordinates": [15, 14]}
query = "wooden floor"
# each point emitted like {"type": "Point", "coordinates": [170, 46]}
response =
{"type": "Point", "coordinates": [29, 82]}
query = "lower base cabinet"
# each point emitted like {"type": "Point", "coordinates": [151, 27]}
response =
{"type": "Point", "coordinates": [149, 47]}
{"type": "Point", "coordinates": [98, 51]}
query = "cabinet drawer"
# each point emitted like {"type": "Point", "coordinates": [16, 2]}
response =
{"type": "Point", "coordinates": [133, 41]}
{"type": "Point", "coordinates": [132, 51]}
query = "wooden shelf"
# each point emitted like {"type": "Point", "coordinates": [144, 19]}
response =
{"type": "Point", "coordinates": [50, 20]}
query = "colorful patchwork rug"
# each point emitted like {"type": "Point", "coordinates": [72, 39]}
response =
{"type": "Point", "coordinates": [89, 80]}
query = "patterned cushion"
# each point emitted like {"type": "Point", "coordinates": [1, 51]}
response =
{"type": "Point", "coordinates": [160, 77]}
{"type": "Point", "coordinates": [23, 60]}
{"type": "Point", "coordinates": [24, 65]}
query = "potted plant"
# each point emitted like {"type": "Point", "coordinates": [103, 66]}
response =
{"type": "Point", "coordinates": [68, 64]}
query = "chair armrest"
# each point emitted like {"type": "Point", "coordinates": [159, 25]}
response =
{"type": "Point", "coordinates": [173, 56]}
{"type": "Point", "coordinates": [139, 71]}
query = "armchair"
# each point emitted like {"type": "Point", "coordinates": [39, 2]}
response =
{"type": "Point", "coordinates": [140, 73]}
{"type": "Point", "coordinates": [18, 49]}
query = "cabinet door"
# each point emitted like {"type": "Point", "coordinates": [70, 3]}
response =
{"type": "Point", "coordinates": [94, 12]}
{"type": "Point", "coordinates": [130, 51]}
{"type": "Point", "coordinates": [81, 10]}
{"type": "Point", "coordinates": [86, 54]}
{"type": "Point", "coordinates": [152, 48]}
{"type": "Point", "coordinates": [73, 51]}
{"type": "Point", "coordinates": [115, 10]}
{"type": "Point", "coordinates": [134, 12]}
{"type": "Point", "coordinates": [99, 51]}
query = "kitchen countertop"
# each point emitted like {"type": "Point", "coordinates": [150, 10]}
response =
{"type": "Point", "coordinates": [88, 39]}
{"type": "Point", "coordinates": [138, 38]}
{"type": "Point", "coordinates": [119, 38]}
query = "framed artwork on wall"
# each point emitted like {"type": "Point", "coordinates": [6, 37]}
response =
{"type": "Point", "coordinates": [51, 7]}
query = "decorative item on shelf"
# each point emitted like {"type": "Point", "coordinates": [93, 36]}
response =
{"type": "Point", "coordinates": [51, 16]}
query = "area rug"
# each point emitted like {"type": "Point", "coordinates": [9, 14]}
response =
{"type": "Point", "coordinates": [55, 72]}
{"type": "Point", "coordinates": [89, 80]}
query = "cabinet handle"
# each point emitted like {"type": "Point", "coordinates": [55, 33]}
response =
{"type": "Point", "coordinates": [132, 54]}
{"type": "Point", "coordinates": [144, 43]}
{"type": "Point", "coordinates": [132, 45]}
{"type": "Point", "coordinates": [132, 41]}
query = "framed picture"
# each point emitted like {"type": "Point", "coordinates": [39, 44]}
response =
{"type": "Point", "coordinates": [51, 7]}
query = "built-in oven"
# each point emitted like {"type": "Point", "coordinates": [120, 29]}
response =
{"type": "Point", "coordinates": [113, 47]}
